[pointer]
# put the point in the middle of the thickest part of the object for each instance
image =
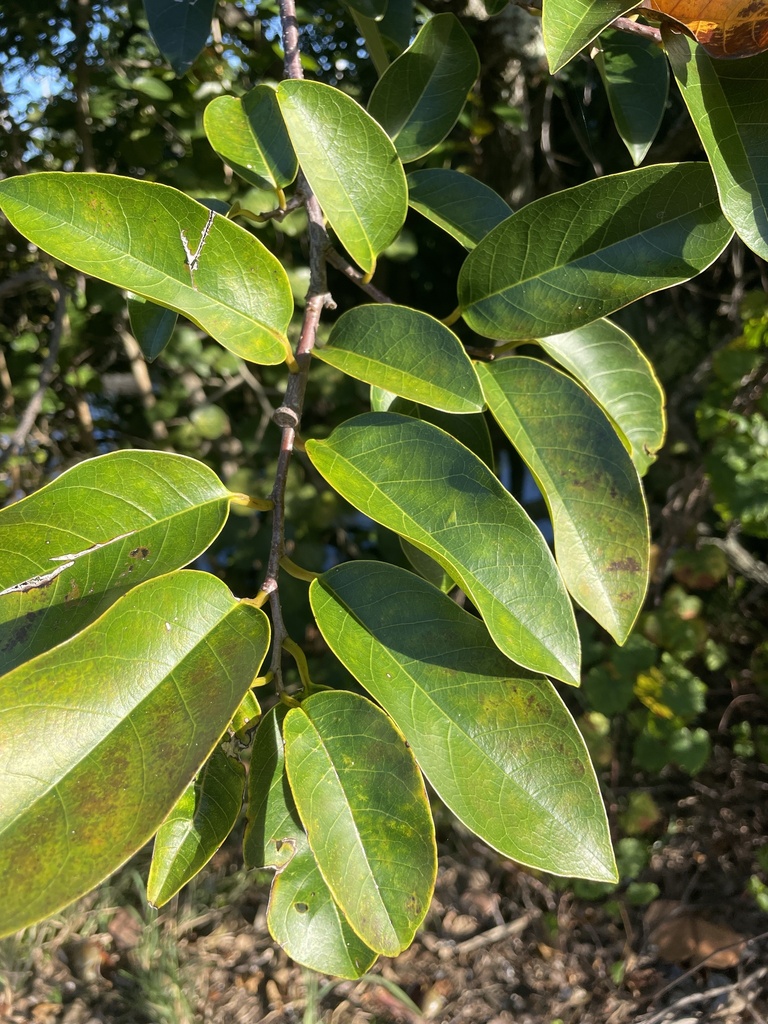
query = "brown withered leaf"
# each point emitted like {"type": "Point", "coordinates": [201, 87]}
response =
{"type": "Point", "coordinates": [683, 936]}
{"type": "Point", "coordinates": [725, 28]}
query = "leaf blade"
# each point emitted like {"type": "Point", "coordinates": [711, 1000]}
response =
{"type": "Point", "coordinates": [249, 133]}
{"type": "Point", "coordinates": [406, 352]}
{"type": "Point", "coordinates": [415, 479]}
{"type": "Point", "coordinates": [591, 487]}
{"type": "Point", "coordinates": [65, 823]}
{"type": "Point", "coordinates": [725, 101]}
{"type": "Point", "coordinates": [569, 25]}
{"type": "Point", "coordinates": [351, 165]}
{"type": "Point", "coordinates": [600, 246]}
{"type": "Point", "coordinates": [464, 207]}
{"type": "Point", "coordinates": [610, 365]}
{"type": "Point", "coordinates": [365, 810]}
{"type": "Point", "coordinates": [238, 292]}
{"type": "Point", "coordinates": [420, 96]}
{"type": "Point", "coordinates": [469, 714]}
{"type": "Point", "coordinates": [128, 516]}
{"type": "Point", "coordinates": [196, 827]}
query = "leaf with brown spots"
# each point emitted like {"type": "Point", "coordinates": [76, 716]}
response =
{"type": "Point", "coordinates": [496, 742]}
{"type": "Point", "coordinates": [725, 28]}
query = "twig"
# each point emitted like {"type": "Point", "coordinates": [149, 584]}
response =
{"type": "Point", "coordinates": [143, 382]}
{"type": "Point", "coordinates": [703, 963]}
{"type": "Point", "coordinates": [28, 417]}
{"type": "Point", "coordinates": [698, 997]}
{"type": "Point", "coordinates": [497, 934]}
{"type": "Point", "coordinates": [337, 260]}
{"type": "Point", "coordinates": [639, 29]}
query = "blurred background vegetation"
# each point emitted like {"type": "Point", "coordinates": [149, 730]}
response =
{"type": "Point", "coordinates": [82, 88]}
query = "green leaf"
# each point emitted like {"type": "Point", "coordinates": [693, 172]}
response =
{"type": "Point", "coordinates": [609, 364]}
{"type": "Point", "coordinates": [350, 164]}
{"type": "Point", "coordinates": [196, 827]}
{"type": "Point", "coordinates": [180, 28]}
{"type": "Point", "coordinates": [417, 480]}
{"type": "Point", "coordinates": [130, 233]}
{"type": "Point", "coordinates": [470, 715]}
{"type": "Point", "coordinates": [471, 430]}
{"type": "Point", "coordinates": [397, 23]}
{"type": "Point", "coordinates": [726, 100]}
{"type": "Point", "coordinates": [368, 8]}
{"type": "Point", "coordinates": [101, 735]}
{"type": "Point", "coordinates": [636, 79]}
{"type": "Point", "coordinates": [302, 916]}
{"type": "Point", "coordinates": [365, 810]}
{"type": "Point", "coordinates": [419, 98]}
{"type": "Point", "coordinates": [464, 207]}
{"type": "Point", "coordinates": [570, 25]}
{"type": "Point", "coordinates": [250, 134]}
{"type": "Point", "coordinates": [598, 247]}
{"type": "Point", "coordinates": [272, 821]}
{"type": "Point", "coordinates": [152, 325]}
{"type": "Point", "coordinates": [73, 547]}
{"type": "Point", "coordinates": [406, 352]}
{"type": "Point", "coordinates": [588, 480]}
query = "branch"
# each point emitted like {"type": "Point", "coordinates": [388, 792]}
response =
{"type": "Point", "coordinates": [337, 260]}
{"type": "Point", "coordinates": [288, 416]}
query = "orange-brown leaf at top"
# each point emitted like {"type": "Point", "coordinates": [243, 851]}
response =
{"type": "Point", "coordinates": [725, 28]}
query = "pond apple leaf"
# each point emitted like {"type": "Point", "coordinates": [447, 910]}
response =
{"type": "Point", "coordinates": [157, 242]}
{"type": "Point", "coordinates": [143, 693]}
{"type": "Point", "coordinates": [364, 807]}
{"type": "Point", "coordinates": [497, 743]}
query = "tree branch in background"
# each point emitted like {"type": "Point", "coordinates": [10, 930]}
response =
{"type": "Point", "coordinates": [47, 370]}
{"type": "Point", "coordinates": [141, 376]}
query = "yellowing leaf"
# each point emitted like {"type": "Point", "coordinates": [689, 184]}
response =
{"type": "Point", "coordinates": [725, 28]}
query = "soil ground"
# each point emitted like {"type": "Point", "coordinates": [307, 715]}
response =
{"type": "Point", "coordinates": [500, 945]}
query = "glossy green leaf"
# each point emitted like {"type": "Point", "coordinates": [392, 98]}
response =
{"type": "Point", "coordinates": [247, 716]}
{"type": "Point", "coordinates": [397, 23]}
{"type": "Point", "coordinates": [727, 102]}
{"type": "Point", "coordinates": [417, 480]}
{"type": "Point", "coordinates": [272, 821]}
{"type": "Point", "coordinates": [588, 480]}
{"type": "Point", "coordinates": [426, 566]}
{"type": "Point", "coordinates": [419, 98]}
{"type": "Point", "coordinates": [407, 352]}
{"type": "Point", "coordinates": [464, 207]}
{"type": "Point", "coordinates": [598, 247]}
{"type": "Point", "coordinates": [636, 79]}
{"type": "Point", "coordinates": [362, 800]}
{"type": "Point", "coordinates": [152, 325]}
{"type": "Point", "coordinates": [133, 234]}
{"type": "Point", "coordinates": [250, 134]}
{"type": "Point", "coordinates": [102, 735]}
{"type": "Point", "coordinates": [351, 165]}
{"type": "Point", "coordinates": [471, 429]}
{"type": "Point", "coordinates": [180, 28]}
{"type": "Point", "coordinates": [496, 743]}
{"type": "Point", "coordinates": [302, 916]}
{"type": "Point", "coordinates": [196, 827]}
{"type": "Point", "coordinates": [72, 548]}
{"type": "Point", "coordinates": [609, 364]}
{"type": "Point", "coordinates": [570, 25]}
